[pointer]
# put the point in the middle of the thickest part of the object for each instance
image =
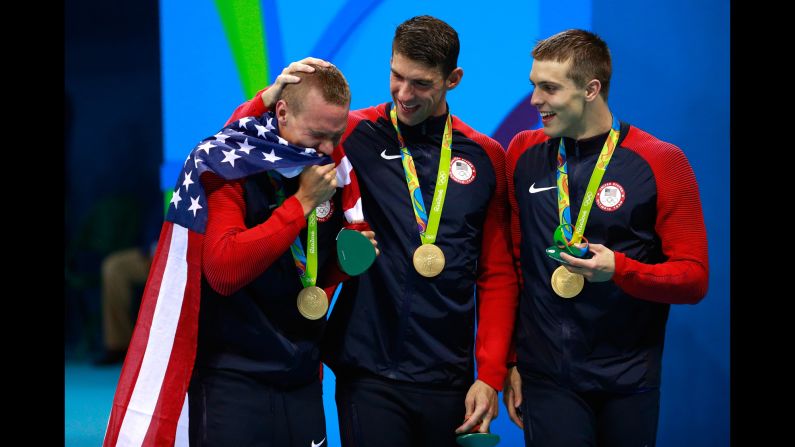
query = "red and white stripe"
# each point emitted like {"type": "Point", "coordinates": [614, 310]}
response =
{"type": "Point", "coordinates": [346, 179]}
{"type": "Point", "coordinates": [150, 405]}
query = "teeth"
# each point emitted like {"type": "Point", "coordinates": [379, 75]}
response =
{"type": "Point", "coordinates": [546, 114]}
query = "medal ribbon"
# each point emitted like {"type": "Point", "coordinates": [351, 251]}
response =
{"type": "Point", "coordinates": [593, 184]}
{"type": "Point", "coordinates": [306, 264]}
{"type": "Point", "coordinates": [427, 226]}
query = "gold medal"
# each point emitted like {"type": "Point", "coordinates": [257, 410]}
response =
{"type": "Point", "coordinates": [428, 260]}
{"type": "Point", "coordinates": [312, 302]}
{"type": "Point", "coordinates": [567, 284]}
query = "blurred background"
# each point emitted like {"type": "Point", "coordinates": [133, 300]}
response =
{"type": "Point", "coordinates": [146, 80]}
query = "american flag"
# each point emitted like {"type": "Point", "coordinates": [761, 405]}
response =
{"type": "Point", "coordinates": [150, 406]}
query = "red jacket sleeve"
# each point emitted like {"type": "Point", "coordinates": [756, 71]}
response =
{"type": "Point", "coordinates": [497, 289]}
{"type": "Point", "coordinates": [252, 107]}
{"type": "Point", "coordinates": [233, 255]}
{"type": "Point", "coordinates": [683, 277]}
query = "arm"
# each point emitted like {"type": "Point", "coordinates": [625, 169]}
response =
{"type": "Point", "coordinates": [252, 107]}
{"type": "Point", "coordinates": [266, 98]}
{"type": "Point", "coordinates": [233, 255]}
{"type": "Point", "coordinates": [512, 395]}
{"type": "Point", "coordinates": [683, 277]}
{"type": "Point", "coordinates": [512, 390]}
{"type": "Point", "coordinates": [498, 292]}
{"type": "Point", "coordinates": [497, 301]}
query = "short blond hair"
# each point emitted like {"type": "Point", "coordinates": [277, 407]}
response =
{"type": "Point", "coordinates": [329, 81]}
{"type": "Point", "coordinates": [589, 55]}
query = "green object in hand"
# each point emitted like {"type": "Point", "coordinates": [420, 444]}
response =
{"type": "Point", "coordinates": [355, 252]}
{"type": "Point", "coordinates": [478, 440]}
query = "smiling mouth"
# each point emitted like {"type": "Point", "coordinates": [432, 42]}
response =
{"type": "Point", "coordinates": [407, 109]}
{"type": "Point", "coordinates": [547, 116]}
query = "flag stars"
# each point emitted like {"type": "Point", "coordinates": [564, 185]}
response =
{"type": "Point", "coordinates": [188, 180]}
{"type": "Point", "coordinates": [283, 141]}
{"type": "Point", "coordinates": [245, 147]}
{"type": "Point", "coordinates": [175, 199]}
{"type": "Point", "coordinates": [230, 157]}
{"type": "Point", "coordinates": [260, 130]}
{"type": "Point", "coordinates": [221, 137]}
{"type": "Point", "coordinates": [206, 146]}
{"type": "Point", "coordinates": [271, 157]}
{"type": "Point", "coordinates": [269, 124]}
{"type": "Point", "coordinates": [194, 205]}
{"type": "Point", "coordinates": [243, 121]}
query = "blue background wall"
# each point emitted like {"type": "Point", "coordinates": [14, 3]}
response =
{"type": "Point", "coordinates": [670, 77]}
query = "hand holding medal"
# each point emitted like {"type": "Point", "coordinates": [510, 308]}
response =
{"type": "Point", "coordinates": [312, 301]}
{"type": "Point", "coordinates": [563, 242]}
{"type": "Point", "coordinates": [565, 283]}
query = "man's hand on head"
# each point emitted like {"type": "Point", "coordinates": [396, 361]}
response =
{"type": "Point", "coordinates": [271, 95]}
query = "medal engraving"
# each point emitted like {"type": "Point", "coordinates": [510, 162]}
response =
{"type": "Point", "coordinates": [567, 284]}
{"type": "Point", "coordinates": [428, 260]}
{"type": "Point", "coordinates": [312, 303]}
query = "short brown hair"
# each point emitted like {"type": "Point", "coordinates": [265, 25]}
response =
{"type": "Point", "coordinates": [329, 81]}
{"type": "Point", "coordinates": [428, 40]}
{"type": "Point", "coordinates": [590, 57]}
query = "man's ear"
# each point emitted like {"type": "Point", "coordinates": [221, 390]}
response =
{"type": "Point", "coordinates": [592, 89]}
{"type": "Point", "coordinates": [282, 110]}
{"type": "Point", "coordinates": [454, 78]}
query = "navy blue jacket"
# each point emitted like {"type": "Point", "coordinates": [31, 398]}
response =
{"type": "Point", "coordinates": [647, 211]}
{"type": "Point", "coordinates": [258, 329]}
{"type": "Point", "coordinates": [394, 323]}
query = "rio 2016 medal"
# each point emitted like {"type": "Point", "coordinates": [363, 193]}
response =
{"type": "Point", "coordinates": [312, 302]}
{"type": "Point", "coordinates": [567, 284]}
{"type": "Point", "coordinates": [428, 260]}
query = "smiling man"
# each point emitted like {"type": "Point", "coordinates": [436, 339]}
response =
{"type": "Point", "coordinates": [401, 338]}
{"type": "Point", "coordinates": [590, 329]}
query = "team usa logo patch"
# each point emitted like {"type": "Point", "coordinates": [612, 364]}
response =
{"type": "Point", "coordinates": [325, 210]}
{"type": "Point", "coordinates": [610, 196]}
{"type": "Point", "coordinates": [462, 171]}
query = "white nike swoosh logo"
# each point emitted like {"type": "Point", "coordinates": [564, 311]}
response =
{"type": "Point", "coordinates": [318, 445]}
{"type": "Point", "coordinates": [388, 157]}
{"type": "Point", "coordinates": [534, 190]}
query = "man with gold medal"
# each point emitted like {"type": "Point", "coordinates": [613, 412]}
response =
{"type": "Point", "coordinates": [270, 236]}
{"type": "Point", "coordinates": [592, 310]}
{"type": "Point", "coordinates": [401, 338]}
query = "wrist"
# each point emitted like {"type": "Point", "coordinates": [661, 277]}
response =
{"type": "Point", "coordinates": [264, 100]}
{"type": "Point", "coordinates": [307, 204]}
